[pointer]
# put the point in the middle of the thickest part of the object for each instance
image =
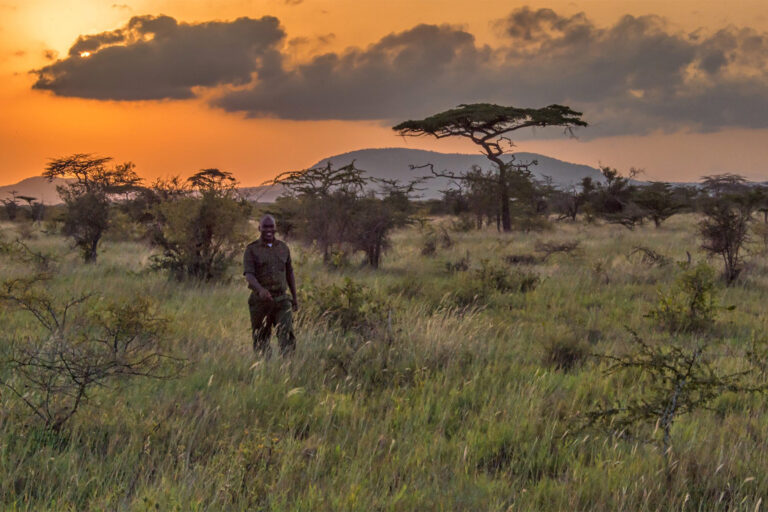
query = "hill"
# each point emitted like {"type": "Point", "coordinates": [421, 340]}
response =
{"type": "Point", "coordinates": [37, 187]}
{"type": "Point", "coordinates": [394, 163]}
{"type": "Point", "coordinates": [390, 163]}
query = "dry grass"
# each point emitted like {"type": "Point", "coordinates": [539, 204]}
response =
{"type": "Point", "coordinates": [449, 405]}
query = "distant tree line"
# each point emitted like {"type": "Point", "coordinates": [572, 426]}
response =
{"type": "Point", "coordinates": [200, 223]}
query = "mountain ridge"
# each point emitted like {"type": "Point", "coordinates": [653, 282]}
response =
{"type": "Point", "coordinates": [389, 163]}
{"type": "Point", "coordinates": [395, 163]}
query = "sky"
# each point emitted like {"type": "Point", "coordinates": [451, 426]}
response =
{"type": "Point", "coordinates": [677, 88]}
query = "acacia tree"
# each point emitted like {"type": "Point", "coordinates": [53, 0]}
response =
{"type": "Point", "coordinates": [87, 198]}
{"type": "Point", "coordinates": [200, 224]}
{"type": "Point", "coordinates": [487, 125]}
{"type": "Point", "coordinates": [660, 200]}
{"type": "Point", "coordinates": [325, 197]}
{"type": "Point", "coordinates": [11, 206]}
{"type": "Point", "coordinates": [336, 209]}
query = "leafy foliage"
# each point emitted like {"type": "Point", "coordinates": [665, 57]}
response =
{"type": "Point", "coordinates": [675, 381]}
{"type": "Point", "coordinates": [89, 195]}
{"type": "Point", "coordinates": [81, 347]}
{"type": "Point", "coordinates": [691, 304]}
{"type": "Point", "coordinates": [200, 227]}
{"type": "Point", "coordinates": [724, 230]}
{"type": "Point", "coordinates": [350, 306]}
{"type": "Point", "coordinates": [487, 125]}
{"type": "Point", "coordinates": [332, 208]}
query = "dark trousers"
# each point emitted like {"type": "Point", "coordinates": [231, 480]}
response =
{"type": "Point", "coordinates": [265, 315]}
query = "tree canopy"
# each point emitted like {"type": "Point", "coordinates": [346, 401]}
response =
{"type": "Point", "coordinates": [487, 125]}
{"type": "Point", "coordinates": [486, 121]}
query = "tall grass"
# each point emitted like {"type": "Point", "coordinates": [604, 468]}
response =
{"type": "Point", "coordinates": [450, 402]}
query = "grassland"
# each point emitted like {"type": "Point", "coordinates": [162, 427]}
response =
{"type": "Point", "coordinates": [445, 399]}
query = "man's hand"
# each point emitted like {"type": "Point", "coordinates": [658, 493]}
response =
{"type": "Point", "coordinates": [264, 294]}
{"type": "Point", "coordinates": [294, 304]}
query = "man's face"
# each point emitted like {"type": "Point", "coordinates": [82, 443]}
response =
{"type": "Point", "coordinates": [267, 229]}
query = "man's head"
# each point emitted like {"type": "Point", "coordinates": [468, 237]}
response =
{"type": "Point", "coordinates": [267, 228]}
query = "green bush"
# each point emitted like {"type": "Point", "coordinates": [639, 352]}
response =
{"type": "Point", "coordinates": [565, 352]}
{"type": "Point", "coordinates": [690, 304]}
{"type": "Point", "coordinates": [350, 306]}
{"type": "Point", "coordinates": [200, 236]}
{"type": "Point", "coordinates": [499, 278]}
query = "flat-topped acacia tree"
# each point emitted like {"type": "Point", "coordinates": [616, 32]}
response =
{"type": "Point", "coordinates": [487, 125]}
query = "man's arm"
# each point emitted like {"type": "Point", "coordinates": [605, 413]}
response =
{"type": "Point", "coordinates": [291, 284]}
{"type": "Point", "coordinates": [254, 284]}
{"type": "Point", "coordinates": [250, 276]}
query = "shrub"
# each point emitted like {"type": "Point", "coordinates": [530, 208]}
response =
{"type": "Point", "coordinates": [202, 230]}
{"type": "Point", "coordinates": [724, 231]}
{"type": "Point", "coordinates": [81, 346]}
{"type": "Point", "coordinates": [690, 305]}
{"type": "Point", "coordinates": [460, 265]}
{"type": "Point", "coordinates": [565, 352]}
{"type": "Point", "coordinates": [672, 381]}
{"type": "Point", "coordinates": [497, 277]}
{"type": "Point", "coordinates": [463, 223]}
{"type": "Point", "coordinates": [350, 306]}
{"type": "Point", "coordinates": [88, 196]}
{"type": "Point", "coordinates": [569, 247]}
{"type": "Point", "coordinates": [435, 237]}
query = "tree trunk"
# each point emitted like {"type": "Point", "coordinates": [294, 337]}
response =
{"type": "Point", "coordinates": [506, 219]}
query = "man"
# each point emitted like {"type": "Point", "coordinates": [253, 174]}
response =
{"type": "Point", "coordinates": [268, 270]}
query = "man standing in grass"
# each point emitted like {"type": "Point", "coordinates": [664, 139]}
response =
{"type": "Point", "coordinates": [268, 270]}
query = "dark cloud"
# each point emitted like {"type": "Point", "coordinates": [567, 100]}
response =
{"type": "Point", "coordinates": [391, 77]}
{"type": "Point", "coordinates": [638, 75]}
{"type": "Point", "coordinates": [156, 57]}
{"type": "Point", "coordinates": [125, 7]}
{"type": "Point", "coordinates": [50, 54]}
{"type": "Point", "coordinates": [635, 76]}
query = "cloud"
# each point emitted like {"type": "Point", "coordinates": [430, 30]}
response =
{"type": "Point", "coordinates": [391, 77]}
{"type": "Point", "coordinates": [638, 75]}
{"type": "Point", "coordinates": [121, 7]}
{"type": "Point", "coordinates": [156, 57]}
{"type": "Point", "coordinates": [634, 76]}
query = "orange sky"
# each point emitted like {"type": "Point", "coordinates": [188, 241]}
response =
{"type": "Point", "coordinates": [166, 137]}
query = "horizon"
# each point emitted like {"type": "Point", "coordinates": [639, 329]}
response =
{"type": "Point", "coordinates": [675, 88]}
{"type": "Point", "coordinates": [241, 185]}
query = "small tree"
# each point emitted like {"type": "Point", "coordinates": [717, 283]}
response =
{"type": "Point", "coordinates": [487, 125]}
{"type": "Point", "coordinates": [337, 209]}
{"type": "Point", "coordinates": [87, 198]}
{"type": "Point", "coordinates": [690, 305]}
{"type": "Point", "coordinates": [76, 349]}
{"type": "Point", "coordinates": [374, 219]}
{"type": "Point", "coordinates": [36, 208]}
{"type": "Point", "coordinates": [324, 199]}
{"type": "Point", "coordinates": [613, 200]}
{"type": "Point", "coordinates": [724, 230]}
{"type": "Point", "coordinates": [11, 206]}
{"type": "Point", "coordinates": [672, 381]}
{"type": "Point", "coordinates": [660, 201]}
{"type": "Point", "coordinates": [200, 225]}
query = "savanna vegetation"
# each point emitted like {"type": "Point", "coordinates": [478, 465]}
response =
{"type": "Point", "coordinates": [609, 353]}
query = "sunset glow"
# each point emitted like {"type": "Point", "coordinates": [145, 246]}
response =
{"type": "Point", "coordinates": [258, 88]}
